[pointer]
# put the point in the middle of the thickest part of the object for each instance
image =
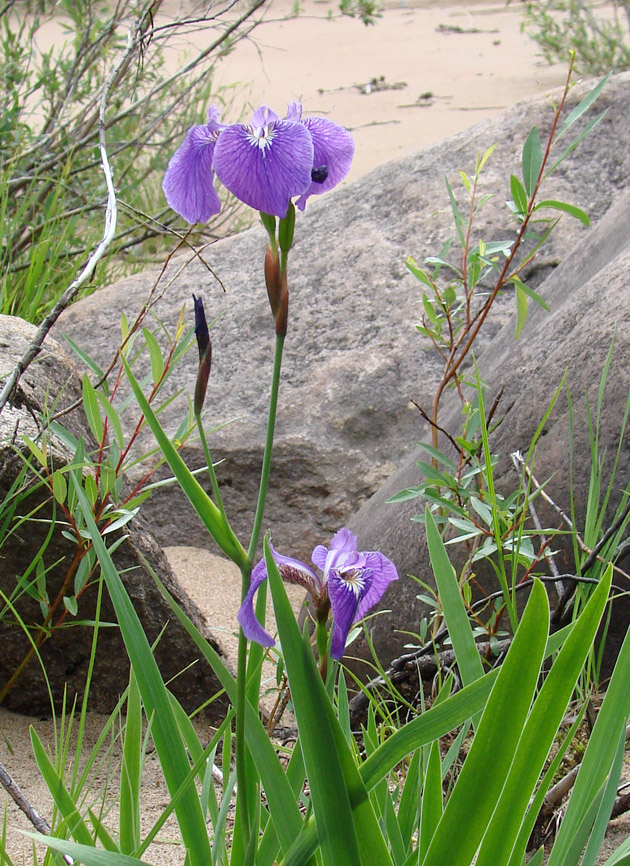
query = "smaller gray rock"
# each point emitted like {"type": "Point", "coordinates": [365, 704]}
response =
{"type": "Point", "coordinates": [65, 655]}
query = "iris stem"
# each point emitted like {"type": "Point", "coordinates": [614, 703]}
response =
{"type": "Point", "coordinates": [241, 670]}
{"type": "Point", "coordinates": [266, 467]}
{"type": "Point", "coordinates": [322, 645]}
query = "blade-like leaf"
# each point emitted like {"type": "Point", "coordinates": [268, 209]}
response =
{"type": "Point", "coordinates": [278, 791]}
{"type": "Point", "coordinates": [540, 730]}
{"type": "Point", "coordinates": [131, 772]}
{"type": "Point", "coordinates": [459, 629]}
{"type": "Point", "coordinates": [63, 801]}
{"type": "Point", "coordinates": [87, 855]}
{"type": "Point", "coordinates": [432, 805]}
{"type": "Point", "coordinates": [599, 755]}
{"type": "Point", "coordinates": [476, 792]}
{"type": "Point", "coordinates": [214, 522]}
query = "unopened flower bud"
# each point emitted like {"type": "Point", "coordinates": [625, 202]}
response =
{"type": "Point", "coordinates": [277, 291]}
{"type": "Point", "coordinates": [205, 354]}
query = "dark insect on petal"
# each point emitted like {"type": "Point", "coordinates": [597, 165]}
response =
{"type": "Point", "coordinates": [319, 174]}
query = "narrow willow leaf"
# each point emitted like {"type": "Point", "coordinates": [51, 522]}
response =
{"type": "Point", "coordinates": [459, 222]}
{"type": "Point", "coordinates": [90, 407]}
{"type": "Point", "coordinates": [436, 454]}
{"type": "Point", "coordinates": [418, 272]}
{"type": "Point", "coordinates": [36, 451]}
{"type": "Point", "coordinates": [70, 604]}
{"type": "Point", "coordinates": [521, 310]}
{"type": "Point", "coordinates": [518, 194]}
{"type": "Point", "coordinates": [94, 367]}
{"type": "Point", "coordinates": [532, 160]}
{"type": "Point", "coordinates": [571, 209]}
{"type": "Point", "coordinates": [112, 417]}
{"type": "Point", "coordinates": [583, 106]}
{"type": "Point", "coordinates": [587, 129]}
{"type": "Point", "coordinates": [155, 354]}
{"type": "Point", "coordinates": [530, 293]}
{"type": "Point", "coordinates": [59, 486]}
{"type": "Point", "coordinates": [486, 157]}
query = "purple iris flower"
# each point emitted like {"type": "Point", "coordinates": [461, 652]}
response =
{"type": "Point", "coordinates": [264, 163]}
{"type": "Point", "coordinates": [352, 583]}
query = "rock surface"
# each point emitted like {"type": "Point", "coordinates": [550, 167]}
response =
{"type": "Point", "coordinates": [66, 654]}
{"type": "Point", "coordinates": [353, 358]}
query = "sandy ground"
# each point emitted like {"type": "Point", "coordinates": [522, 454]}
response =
{"type": "Point", "coordinates": [420, 74]}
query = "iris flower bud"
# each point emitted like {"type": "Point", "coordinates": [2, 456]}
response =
{"type": "Point", "coordinates": [277, 291]}
{"type": "Point", "coordinates": [205, 354]}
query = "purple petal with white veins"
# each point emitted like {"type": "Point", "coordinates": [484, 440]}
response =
{"type": "Point", "coordinates": [296, 571]}
{"type": "Point", "coordinates": [252, 629]}
{"type": "Point", "coordinates": [333, 148]}
{"type": "Point", "coordinates": [188, 182]}
{"type": "Point", "coordinates": [291, 570]}
{"type": "Point", "coordinates": [265, 166]}
{"type": "Point", "coordinates": [383, 573]}
{"type": "Point", "coordinates": [345, 597]}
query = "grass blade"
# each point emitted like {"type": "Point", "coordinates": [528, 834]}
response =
{"type": "Point", "coordinates": [466, 651]}
{"type": "Point", "coordinates": [155, 696]}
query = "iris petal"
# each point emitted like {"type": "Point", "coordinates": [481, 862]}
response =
{"type": "Point", "coordinates": [319, 555]}
{"type": "Point", "coordinates": [344, 540]}
{"type": "Point", "coordinates": [188, 182]}
{"type": "Point", "coordinates": [333, 147]}
{"type": "Point", "coordinates": [267, 166]}
{"type": "Point", "coordinates": [252, 629]}
{"type": "Point", "coordinates": [345, 597]}
{"type": "Point", "coordinates": [292, 570]}
{"type": "Point", "coordinates": [383, 573]}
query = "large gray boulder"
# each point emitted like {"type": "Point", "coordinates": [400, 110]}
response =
{"type": "Point", "coordinates": [589, 296]}
{"type": "Point", "coordinates": [65, 655]}
{"type": "Point", "coordinates": [353, 358]}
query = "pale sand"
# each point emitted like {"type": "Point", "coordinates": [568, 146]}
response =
{"type": "Point", "coordinates": [471, 76]}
